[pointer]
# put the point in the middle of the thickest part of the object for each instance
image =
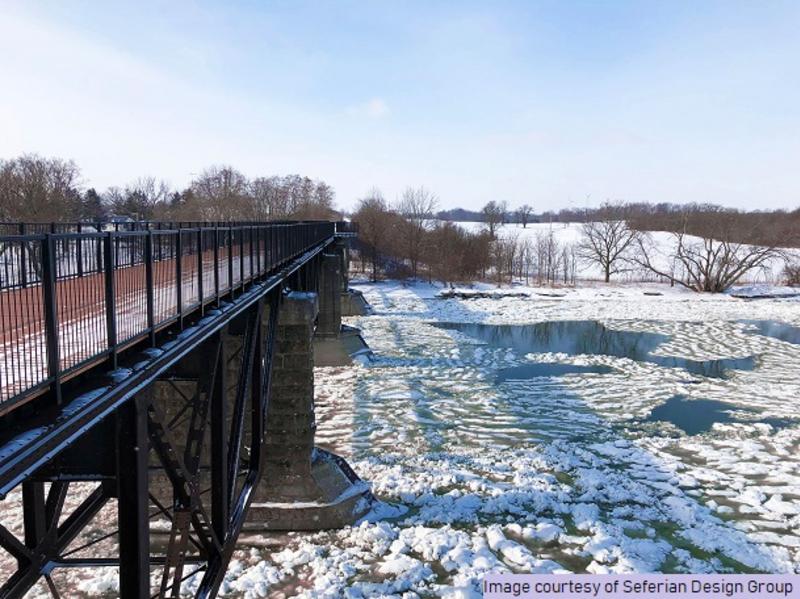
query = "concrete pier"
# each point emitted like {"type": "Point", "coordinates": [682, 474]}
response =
{"type": "Point", "coordinates": [330, 296]}
{"type": "Point", "coordinates": [303, 487]}
{"type": "Point", "coordinates": [354, 304]}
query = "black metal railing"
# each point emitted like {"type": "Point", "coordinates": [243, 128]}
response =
{"type": "Point", "coordinates": [348, 228]}
{"type": "Point", "coordinates": [88, 226]}
{"type": "Point", "coordinates": [70, 298]}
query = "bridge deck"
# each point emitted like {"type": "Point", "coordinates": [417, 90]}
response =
{"type": "Point", "coordinates": [86, 325]}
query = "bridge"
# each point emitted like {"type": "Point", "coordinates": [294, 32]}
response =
{"type": "Point", "coordinates": [157, 380]}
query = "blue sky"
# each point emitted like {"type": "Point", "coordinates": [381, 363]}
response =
{"type": "Point", "coordinates": [556, 104]}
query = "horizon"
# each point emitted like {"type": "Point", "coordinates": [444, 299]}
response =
{"type": "Point", "coordinates": [554, 105]}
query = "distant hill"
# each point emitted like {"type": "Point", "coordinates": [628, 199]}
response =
{"type": "Point", "coordinates": [471, 216]}
{"type": "Point", "coordinates": [461, 215]}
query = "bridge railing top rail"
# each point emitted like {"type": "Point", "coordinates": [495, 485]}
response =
{"type": "Point", "coordinates": [24, 228]}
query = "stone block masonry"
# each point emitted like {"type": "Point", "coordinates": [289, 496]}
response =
{"type": "Point", "coordinates": [330, 290]}
{"type": "Point", "coordinates": [303, 487]}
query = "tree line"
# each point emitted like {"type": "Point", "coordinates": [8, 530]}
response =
{"type": "Point", "coordinates": [765, 227]}
{"type": "Point", "coordinates": [708, 248]}
{"type": "Point", "coordinates": [406, 239]}
{"type": "Point", "coordinates": [39, 189]}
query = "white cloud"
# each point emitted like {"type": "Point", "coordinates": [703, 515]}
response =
{"type": "Point", "coordinates": [376, 108]}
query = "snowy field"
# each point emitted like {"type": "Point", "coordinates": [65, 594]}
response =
{"type": "Point", "coordinates": [564, 473]}
{"type": "Point", "coordinates": [663, 244]}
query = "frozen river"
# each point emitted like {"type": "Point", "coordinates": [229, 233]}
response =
{"type": "Point", "coordinates": [602, 431]}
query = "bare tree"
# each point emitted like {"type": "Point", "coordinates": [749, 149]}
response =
{"type": "Point", "coordinates": [417, 206]}
{"type": "Point", "coordinates": [791, 273]}
{"type": "Point", "coordinates": [569, 259]}
{"type": "Point", "coordinates": [503, 207]}
{"type": "Point", "coordinates": [222, 193]}
{"type": "Point", "coordinates": [492, 217]}
{"type": "Point", "coordinates": [33, 188]}
{"type": "Point", "coordinates": [270, 198]}
{"type": "Point", "coordinates": [139, 200]}
{"type": "Point", "coordinates": [607, 241]}
{"type": "Point", "coordinates": [525, 257]}
{"type": "Point", "coordinates": [546, 255]}
{"type": "Point", "coordinates": [375, 222]}
{"type": "Point", "coordinates": [704, 263]}
{"type": "Point", "coordinates": [506, 254]}
{"type": "Point", "coordinates": [292, 196]}
{"type": "Point", "coordinates": [524, 213]}
{"type": "Point", "coordinates": [445, 252]}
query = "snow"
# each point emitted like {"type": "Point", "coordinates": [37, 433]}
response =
{"type": "Point", "coordinates": [561, 474]}
{"type": "Point", "coordinates": [663, 246]}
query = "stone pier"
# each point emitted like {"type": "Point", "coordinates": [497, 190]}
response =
{"type": "Point", "coordinates": [336, 344]}
{"type": "Point", "coordinates": [303, 487]}
{"type": "Point", "coordinates": [330, 296]}
{"type": "Point", "coordinates": [354, 304]}
{"type": "Point", "coordinates": [352, 301]}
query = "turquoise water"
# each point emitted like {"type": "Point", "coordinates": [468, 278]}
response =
{"type": "Point", "coordinates": [776, 330]}
{"type": "Point", "coordinates": [695, 416]}
{"type": "Point", "coordinates": [589, 337]}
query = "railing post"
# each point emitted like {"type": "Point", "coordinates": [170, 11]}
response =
{"type": "Point", "coordinates": [49, 275]}
{"type": "Point", "coordinates": [99, 250]}
{"type": "Point", "coordinates": [259, 230]}
{"type": "Point", "coordinates": [283, 243]}
{"type": "Point", "coordinates": [252, 257]}
{"type": "Point", "coordinates": [241, 260]}
{"type": "Point", "coordinates": [271, 248]}
{"type": "Point", "coordinates": [109, 246]}
{"type": "Point", "coordinates": [117, 243]}
{"type": "Point", "coordinates": [230, 260]}
{"type": "Point", "coordinates": [179, 278]}
{"type": "Point", "coordinates": [79, 252]}
{"type": "Point", "coordinates": [150, 292]}
{"type": "Point", "coordinates": [23, 266]}
{"type": "Point", "coordinates": [216, 264]}
{"type": "Point", "coordinates": [200, 268]}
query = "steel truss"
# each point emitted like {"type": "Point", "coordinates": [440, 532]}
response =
{"type": "Point", "coordinates": [191, 461]}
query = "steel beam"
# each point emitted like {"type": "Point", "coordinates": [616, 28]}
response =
{"type": "Point", "coordinates": [132, 500]}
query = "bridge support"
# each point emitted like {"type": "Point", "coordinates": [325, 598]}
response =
{"type": "Point", "coordinates": [303, 487]}
{"type": "Point", "coordinates": [132, 500]}
{"type": "Point", "coordinates": [336, 344]}
{"type": "Point", "coordinates": [352, 301]}
{"type": "Point", "coordinates": [330, 296]}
